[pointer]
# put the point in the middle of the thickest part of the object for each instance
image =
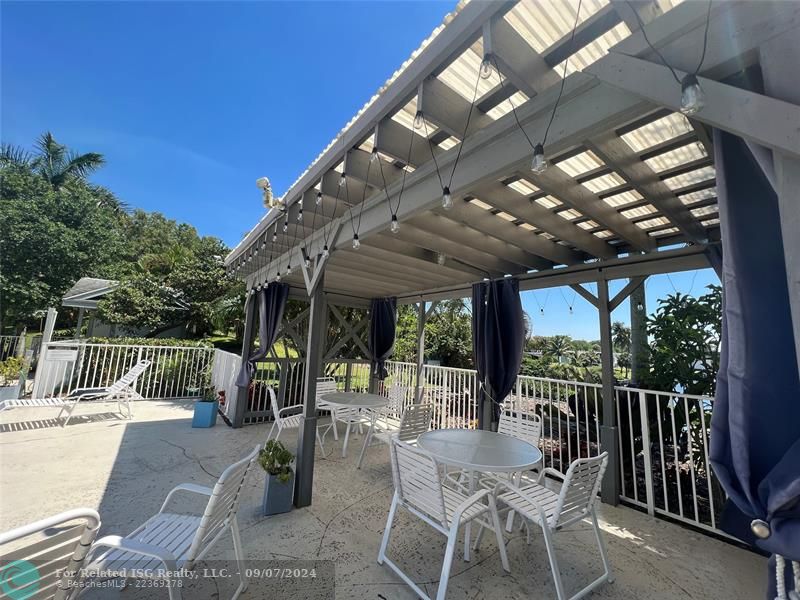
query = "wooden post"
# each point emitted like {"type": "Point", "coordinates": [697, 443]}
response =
{"type": "Point", "coordinates": [243, 394]}
{"type": "Point", "coordinates": [608, 430]}
{"type": "Point", "coordinates": [80, 323]}
{"type": "Point", "coordinates": [317, 331]}
{"type": "Point", "coordinates": [639, 356]}
{"type": "Point", "coordinates": [422, 317]}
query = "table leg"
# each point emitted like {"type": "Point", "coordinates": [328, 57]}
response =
{"type": "Point", "coordinates": [368, 437]}
{"type": "Point", "coordinates": [468, 526]}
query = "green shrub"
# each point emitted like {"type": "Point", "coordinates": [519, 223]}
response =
{"type": "Point", "coordinates": [275, 459]}
{"type": "Point", "coordinates": [10, 370]}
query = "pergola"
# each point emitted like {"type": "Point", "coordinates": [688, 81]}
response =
{"type": "Point", "coordinates": [630, 190]}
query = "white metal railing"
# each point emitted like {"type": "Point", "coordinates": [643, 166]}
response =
{"type": "Point", "coordinates": [175, 371]}
{"type": "Point", "coordinates": [453, 393]}
{"type": "Point", "coordinates": [9, 344]}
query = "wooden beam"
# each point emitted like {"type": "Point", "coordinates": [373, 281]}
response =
{"type": "Point", "coordinates": [449, 110]}
{"type": "Point", "coordinates": [587, 32]}
{"type": "Point", "coordinates": [394, 139]}
{"type": "Point", "coordinates": [523, 67]}
{"type": "Point", "coordinates": [626, 291]}
{"type": "Point", "coordinates": [614, 151]}
{"type": "Point", "coordinates": [392, 248]}
{"type": "Point", "coordinates": [360, 168]}
{"type": "Point", "coordinates": [586, 294]}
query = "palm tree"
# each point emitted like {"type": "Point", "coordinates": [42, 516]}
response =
{"type": "Point", "coordinates": [621, 336]}
{"type": "Point", "coordinates": [559, 345]}
{"type": "Point", "coordinates": [53, 161]}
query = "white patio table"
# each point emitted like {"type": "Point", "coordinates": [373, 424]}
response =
{"type": "Point", "coordinates": [476, 450]}
{"type": "Point", "coordinates": [356, 401]}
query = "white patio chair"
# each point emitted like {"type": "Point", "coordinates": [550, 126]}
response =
{"type": "Point", "coordinates": [123, 391]}
{"type": "Point", "coordinates": [552, 511]}
{"type": "Point", "coordinates": [327, 385]}
{"type": "Point", "coordinates": [169, 542]}
{"type": "Point", "coordinates": [42, 560]}
{"type": "Point", "coordinates": [418, 488]}
{"type": "Point", "coordinates": [284, 420]}
{"type": "Point", "coordinates": [416, 420]}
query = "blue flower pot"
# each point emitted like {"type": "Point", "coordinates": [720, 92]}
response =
{"type": "Point", "coordinates": [205, 414]}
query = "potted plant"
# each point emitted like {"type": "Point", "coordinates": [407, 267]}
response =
{"type": "Point", "coordinates": [205, 409]}
{"type": "Point", "coordinates": [11, 378]}
{"type": "Point", "coordinates": [276, 460]}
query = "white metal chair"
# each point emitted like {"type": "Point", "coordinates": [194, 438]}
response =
{"type": "Point", "coordinates": [123, 391]}
{"type": "Point", "coordinates": [327, 385]}
{"type": "Point", "coordinates": [169, 542]}
{"type": "Point", "coordinates": [43, 560]}
{"type": "Point", "coordinates": [416, 420]}
{"type": "Point", "coordinates": [418, 488]}
{"type": "Point", "coordinates": [553, 511]}
{"type": "Point", "coordinates": [284, 420]}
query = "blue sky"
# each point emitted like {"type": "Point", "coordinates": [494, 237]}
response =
{"type": "Point", "coordinates": [191, 102]}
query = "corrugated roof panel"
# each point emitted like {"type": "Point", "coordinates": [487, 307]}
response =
{"type": "Point", "coordinates": [638, 211]}
{"type": "Point", "coordinates": [523, 186]}
{"type": "Point", "coordinates": [548, 236]}
{"type": "Point", "coordinates": [580, 163]}
{"type": "Point", "coordinates": [658, 131]}
{"type": "Point", "coordinates": [603, 234]}
{"type": "Point", "coordinates": [543, 22]}
{"type": "Point", "coordinates": [704, 211]}
{"type": "Point", "coordinates": [709, 222]}
{"type": "Point", "coordinates": [406, 115]}
{"type": "Point", "coordinates": [623, 198]}
{"type": "Point", "coordinates": [549, 202]}
{"type": "Point", "coordinates": [698, 196]}
{"type": "Point", "coordinates": [696, 176]}
{"type": "Point", "coordinates": [569, 214]}
{"type": "Point", "coordinates": [448, 143]}
{"type": "Point", "coordinates": [595, 50]}
{"type": "Point", "coordinates": [679, 156]}
{"type": "Point", "coordinates": [462, 74]}
{"type": "Point", "coordinates": [481, 204]}
{"type": "Point", "coordinates": [654, 222]}
{"type": "Point", "coordinates": [662, 232]}
{"type": "Point", "coordinates": [527, 226]}
{"type": "Point", "coordinates": [506, 106]}
{"type": "Point", "coordinates": [506, 216]}
{"type": "Point", "coordinates": [602, 183]}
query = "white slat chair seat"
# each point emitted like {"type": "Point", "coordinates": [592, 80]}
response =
{"type": "Point", "coordinates": [418, 489]}
{"type": "Point", "coordinates": [552, 511]}
{"type": "Point", "coordinates": [416, 420]}
{"type": "Point", "coordinates": [172, 532]}
{"type": "Point", "coordinates": [121, 390]}
{"type": "Point", "coordinates": [170, 541]}
{"type": "Point", "coordinates": [289, 417]}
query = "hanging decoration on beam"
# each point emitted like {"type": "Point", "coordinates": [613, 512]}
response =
{"type": "Point", "coordinates": [693, 98]}
{"type": "Point", "coordinates": [447, 197]}
{"type": "Point", "coordinates": [266, 191]}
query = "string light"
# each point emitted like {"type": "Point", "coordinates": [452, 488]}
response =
{"type": "Point", "coordinates": [639, 306]}
{"type": "Point", "coordinates": [319, 198]}
{"type": "Point", "coordinates": [374, 156]}
{"type": "Point", "coordinates": [419, 120]}
{"type": "Point", "coordinates": [286, 226]}
{"type": "Point", "coordinates": [539, 163]}
{"type": "Point", "coordinates": [395, 225]}
{"type": "Point", "coordinates": [447, 199]}
{"type": "Point", "coordinates": [356, 242]}
{"type": "Point", "coordinates": [325, 252]}
{"type": "Point", "coordinates": [278, 276]}
{"type": "Point", "coordinates": [486, 67]}
{"type": "Point", "coordinates": [307, 261]}
{"type": "Point", "coordinates": [274, 236]}
{"type": "Point", "coordinates": [693, 98]}
{"type": "Point", "coordinates": [289, 269]}
{"type": "Point", "coordinates": [300, 215]}
{"type": "Point", "coordinates": [342, 179]}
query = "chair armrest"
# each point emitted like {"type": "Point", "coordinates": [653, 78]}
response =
{"type": "Point", "coordinates": [288, 408]}
{"type": "Point", "coordinates": [128, 545]}
{"type": "Point", "coordinates": [550, 471]}
{"type": "Point", "coordinates": [187, 487]}
{"type": "Point", "coordinates": [475, 498]}
{"type": "Point", "coordinates": [515, 490]}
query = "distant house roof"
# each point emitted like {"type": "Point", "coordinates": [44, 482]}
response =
{"type": "Point", "coordinates": [88, 291]}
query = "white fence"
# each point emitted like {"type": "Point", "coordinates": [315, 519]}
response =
{"type": "Point", "coordinates": [9, 346]}
{"type": "Point", "coordinates": [175, 371]}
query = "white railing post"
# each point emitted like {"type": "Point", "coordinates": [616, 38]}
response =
{"type": "Point", "coordinates": [648, 467]}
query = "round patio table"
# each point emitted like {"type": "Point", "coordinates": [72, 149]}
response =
{"type": "Point", "coordinates": [357, 401]}
{"type": "Point", "coordinates": [476, 450]}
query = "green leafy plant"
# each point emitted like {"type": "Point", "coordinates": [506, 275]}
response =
{"type": "Point", "coordinates": [10, 371]}
{"type": "Point", "coordinates": [275, 459]}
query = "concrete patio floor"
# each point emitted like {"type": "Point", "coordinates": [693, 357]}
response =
{"type": "Point", "coordinates": [124, 469]}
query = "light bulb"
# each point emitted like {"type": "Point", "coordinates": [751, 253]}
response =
{"type": "Point", "coordinates": [264, 244]}
{"type": "Point", "coordinates": [308, 262]}
{"type": "Point", "coordinates": [255, 251]}
{"type": "Point", "coordinates": [570, 310]}
{"type": "Point", "coordinates": [639, 306]}
{"type": "Point", "coordinates": [374, 156]}
{"type": "Point", "coordinates": [541, 310]}
{"type": "Point", "coordinates": [342, 179]}
{"type": "Point", "coordinates": [288, 269]}
{"type": "Point", "coordinates": [692, 96]}
{"type": "Point", "coordinates": [419, 120]}
{"type": "Point", "coordinates": [325, 252]}
{"type": "Point", "coordinates": [395, 226]}
{"type": "Point", "coordinates": [252, 291]}
{"type": "Point", "coordinates": [441, 259]}
{"type": "Point", "coordinates": [249, 259]}
{"type": "Point", "coordinates": [274, 237]}
{"type": "Point", "coordinates": [278, 276]}
{"type": "Point", "coordinates": [285, 226]}
{"type": "Point", "coordinates": [300, 215]}
{"type": "Point", "coordinates": [356, 242]}
{"type": "Point", "coordinates": [258, 287]}
{"type": "Point", "coordinates": [486, 67]}
{"type": "Point", "coordinates": [319, 198]}
{"type": "Point", "coordinates": [539, 163]}
{"type": "Point", "coordinates": [447, 199]}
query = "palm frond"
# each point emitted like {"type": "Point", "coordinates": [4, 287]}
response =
{"type": "Point", "coordinates": [17, 156]}
{"type": "Point", "coordinates": [82, 165]}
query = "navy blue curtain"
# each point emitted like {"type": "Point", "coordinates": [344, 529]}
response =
{"type": "Point", "coordinates": [498, 339]}
{"type": "Point", "coordinates": [755, 427]}
{"type": "Point", "coordinates": [382, 326]}
{"type": "Point", "coordinates": [271, 304]}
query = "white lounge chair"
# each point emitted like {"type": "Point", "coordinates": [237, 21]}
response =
{"type": "Point", "coordinates": [418, 488]}
{"type": "Point", "coordinates": [552, 511]}
{"type": "Point", "coordinates": [42, 560]}
{"type": "Point", "coordinates": [284, 420]}
{"type": "Point", "coordinates": [416, 420]}
{"type": "Point", "coordinates": [169, 542]}
{"type": "Point", "coordinates": [123, 391]}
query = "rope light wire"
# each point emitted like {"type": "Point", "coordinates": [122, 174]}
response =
{"type": "Point", "coordinates": [357, 228]}
{"type": "Point", "coordinates": [393, 212]}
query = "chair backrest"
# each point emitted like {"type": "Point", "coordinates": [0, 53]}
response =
{"type": "Point", "coordinates": [579, 490]}
{"type": "Point", "coordinates": [521, 425]}
{"type": "Point", "coordinates": [42, 560]}
{"type": "Point", "coordinates": [273, 404]}
{"type": "Point", "coordinates": [418, 482]}
{"type": "Point", "coordinates": [223, 504]}
{"type": "Point", "coordinates": [130, 377]}
{"type": "Point", "coordinates": [397, 399]}
{"type": "Point", "coordinates": [416, 421]}
{"type": "Point", "coordinates": [325, 385]}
